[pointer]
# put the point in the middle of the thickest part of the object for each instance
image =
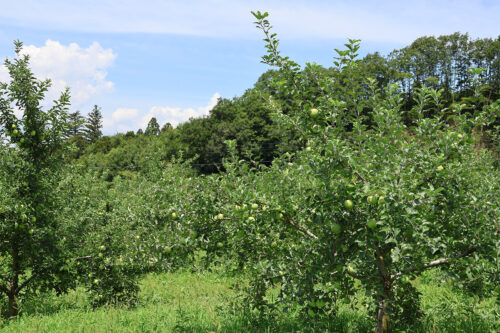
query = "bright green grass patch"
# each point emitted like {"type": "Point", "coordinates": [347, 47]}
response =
{"type": "Point", "coordinates": [199, 302]}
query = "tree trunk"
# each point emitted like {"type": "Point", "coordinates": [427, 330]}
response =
{"type": "Point", "coordinates": [14, 285]}
{"type": "Point", "coordinates": [383, 304]}
{"type": "Point", "coordinates": [13, 309]}
{"type": "Point", "coordinates": [386, 296]}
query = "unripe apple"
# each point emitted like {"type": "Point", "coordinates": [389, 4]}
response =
{"type": "Point", "coordinates": [255, 206]}
{"type": "Point", "coordinates": [336, 228]}
{"type": "Point", "coordinates": [96, 281]}
{"type": "Point", "coordinates": [308, 148]}
{"type": "Point", "coordinates": [219, 244]}
{"type": "Point", "coordinates": [381, 200]}
{"type": "Point", "coordinates": [174, 215]}
{"type": "Point", "coordinates": [460, 136]}
{"type": "Point", "coordinates": [100, 255]}
{"type": "Point", "coordinates": [251, 218]}
{"type": "Point", "coordinates": [314, 112]}
{"type": "Point", "coordinates": [33, 133]}
{"type": "Point", "coordinates": [137, 237]}
{"type": "Point", "coordinates": [371, 223]}
{"type": "Point", "coordinates": [348, 204]}
{"type": "Point", "coordinates": [102, 247]}
{"type": "Point", "coordinates": [371, 199]}
{"type": "Point", "coordinates": [220, 217]}
{"type": "Point", "coordinates": [439, 168]}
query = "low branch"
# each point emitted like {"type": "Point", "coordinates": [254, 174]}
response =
{"type": "Point", "coordinates": [24, 284]}
{"type": "Point", "coordinates": [301, 229]}
{"type": "Point", "coordinates": [438, 262]}
{"type": "Point", "coordinates": [82, 258]}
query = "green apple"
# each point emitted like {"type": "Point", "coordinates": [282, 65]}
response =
{"type": "Point", "coordinates": [220, 217]}
{"type": "Point", "coordinates": [314, 112]}
{"type": "Point", "coordinates": [439, 168]}
{"type": "Point", "coordinates": [308, 148]}
{"type": "Point", "coordinates": [251, 218]}
{"type": "Point", "coordinates": [219, 244]}
{"type": "Point", "coordinates": [33, 133]}
{"type": "Point", "coordinates": [167, 250]}
{"type": "Point", "coordinates": [371, 223]}
{"type": "Point", "coordinates": [381, 200]}
{"type": "Point", "coordinates": [336, 228]}
{"type": "Point", "coordinates": [255, 206]}
{"type": "Point", "coordinates": [174, 215]}
{"type": "Point", "coordinates": [371, 199]}
{"type": "Point", "coordinates": [100, 255]}
{"type": "Point", "coordinates": [348, 204]}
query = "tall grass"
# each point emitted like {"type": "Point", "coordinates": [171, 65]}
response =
{"type": "Point", "coordinates": [200, 302]}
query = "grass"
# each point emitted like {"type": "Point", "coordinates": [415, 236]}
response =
{"type": "Point", "coordinates": [199, 302]}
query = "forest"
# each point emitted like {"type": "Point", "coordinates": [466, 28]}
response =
{"type": "Point", "coordinates": [359, 197]}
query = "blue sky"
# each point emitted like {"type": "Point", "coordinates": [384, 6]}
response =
{"type": "Point", "coordinates": [173, 59]}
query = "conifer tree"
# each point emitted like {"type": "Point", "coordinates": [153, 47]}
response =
{"type": "Point", "coordinates": [92, 131]}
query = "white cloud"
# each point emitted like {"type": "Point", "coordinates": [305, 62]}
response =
{"type": "Point", "coordinates": [4, 74]}
{"type": "Point", "coordinates": [84, 70]}
{"type": "Point", "coordinates": [176, 115]}
{"type": "Point", "coordinates": [126, 119]}
{"type": "Point", "coordinates": [383, 20]}
{"type": "Point", "coordinates": [121, 114]}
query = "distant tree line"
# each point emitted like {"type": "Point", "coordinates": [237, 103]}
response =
{"type": "Point", "coordinates": [455, 65]}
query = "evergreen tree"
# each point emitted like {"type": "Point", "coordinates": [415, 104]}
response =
{"type": "Point", "coordinates": [92, 131]}
{"type": "Point", "coordinates": [76, 121]}
{"type": "Point", "coordinates": [153, 127]}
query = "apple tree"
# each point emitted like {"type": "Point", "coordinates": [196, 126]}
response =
{"type": "Point", "coordinates": [375, 202]}
{"type": "Point", "coordinates": [30, 160]}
